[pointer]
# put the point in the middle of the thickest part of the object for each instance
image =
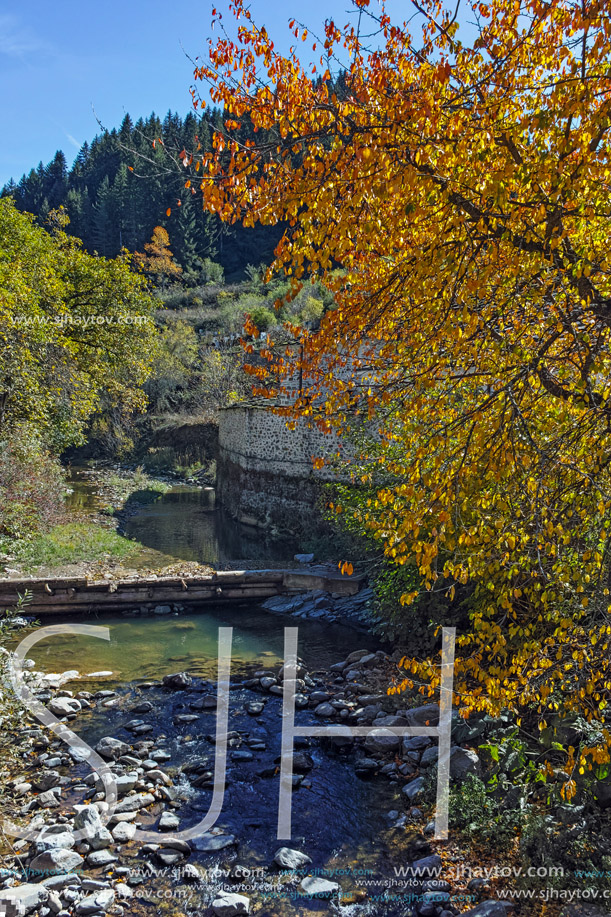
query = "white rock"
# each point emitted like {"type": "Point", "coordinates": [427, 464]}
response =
{"type": "Point", "coordinates": [64, 706]}
{"type": "Point", "coordinates": [314, 887]}
{"type": "Point", "coordinates": [123, 832]}
{"type": "Point", "coordinates": [229, 905]}
{"type": "Point", "coordinates": [56, 860]}
{"type": "Point", "coordinates": [290, 859]}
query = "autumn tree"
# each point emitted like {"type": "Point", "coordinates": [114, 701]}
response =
{"type": "Point", "coordinates": [73, 327]}
{"type": "Point", "coordinates": [158, 260]}
{"type": "Point", "coordinates": [463, 189]}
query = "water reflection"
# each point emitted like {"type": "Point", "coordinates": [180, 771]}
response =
{"type": "Point", "coordinates": [186, 524]}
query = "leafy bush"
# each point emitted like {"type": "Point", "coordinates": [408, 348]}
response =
{"type": "Point", "coordinates": [263, 318]}
{"type": "Point", "coordinates": [31, 485]}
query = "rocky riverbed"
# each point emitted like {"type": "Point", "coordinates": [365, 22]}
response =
{"type": "Point", "coordinates": [158, 737]}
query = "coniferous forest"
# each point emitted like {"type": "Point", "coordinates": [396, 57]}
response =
{"type": "Point", "coordinates": [121, 186]}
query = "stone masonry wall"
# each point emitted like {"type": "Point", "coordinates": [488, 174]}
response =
{"type": "Point", "coordinates": [265, 474]}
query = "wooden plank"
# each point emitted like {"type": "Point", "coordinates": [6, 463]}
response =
{"type": "Point", "coordinates": [54, 596]}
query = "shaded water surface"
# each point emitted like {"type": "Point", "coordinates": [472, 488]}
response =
{"type": "Point", "coordinates": [186, 524]}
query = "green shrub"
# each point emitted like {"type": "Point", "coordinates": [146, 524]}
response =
{"type": "Point", "coordinates": [31, 485]}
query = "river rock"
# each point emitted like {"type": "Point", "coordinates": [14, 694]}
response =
{"type": "Point", "coordinates": [123, 890]}
{"type": "Point", "coordinates": [99, 858]}
{"type": "Point", "coordinates": [64, 706]}
{"type": "Point", "coordinates": [61, 881]}
{"type": "Point", "coordinates": [56, 860]}
{"type": "Point", "coordinates": [160, 755]}
{"type": "Point", "coordinates": [287, 858]}
{"type": "Point", "coordinates": [381, 741]}
{"type": "Point", "coordinates": [126, 782]}
{"type": "Point", "coordinates": [325, 710]}
{"type": "Point", "coordinates": [144, 707]}
{"type": "Point", "coordinates": [94, 833]}
{"type": "Point", "coordinates": [47, 780]}
{"type": "Point", "coordinates": [176, 843]}
{"type": "Point", "coordinates": [427, 866]}
{"type": "Point", "coordinates": [169, 822]}
{"type": "Point", "coordinates": [162, 610]}
{"type": "Point", "coordinates": [48, 800]}
{"type": "Point", "coordinates": [463, 762]}
{"type": "Point", "coordinates": [255, 708]}
{"type": "Point", "coordinates": [178, 681]}
{"type": "Point", "coordinates": [135, 802]}
{"type": "Point", "coordinates": [413, 788]}
{"type": "Point", "coordinates": [427, 715]}
{"type": "Point", "coordinates": [23, 898]}
{"type": "Point", "coordinates": [111, 748]}
{"type": "Point", "coordinates": [20, 789]}
{"type": "Point", "coordinates": [210, 843]}
{"type": "Point", "coordinates": [366, 766]}
{"type": "Point", "coordinates": [99, 901]}
{"type": "Point", "coordinates": [415, 743]}
{"type": "Point", "coordinates": [123, 832]}
{"type": "Point", "coordinates": [55, 837]}
{"type": "Point", "coordinates": [302, 762]}
{"type": "Point", "coordinates": [429, 756]}
{"type": "Point", "coordinates": [304, 558]}
{"type": "Point", "coordinates": [314, 887]}
{"type": "Point", "coordinates": [185, 718]}
{"type": "Point", "coordinates": [228, 904]}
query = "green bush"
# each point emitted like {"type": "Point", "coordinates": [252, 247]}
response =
{"type": "Point", "coordinates": [31, 485]}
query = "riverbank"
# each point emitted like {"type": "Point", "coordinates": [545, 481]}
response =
{"type": "Point", "coordinates": [89, 539]}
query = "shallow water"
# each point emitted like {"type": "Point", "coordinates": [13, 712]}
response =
{"type": "Point", "coordinates": [186, 524]}
{"type": "Point", "coordinates": [150, 647]}
{"type": "Point", "coordinates": [339, 819]}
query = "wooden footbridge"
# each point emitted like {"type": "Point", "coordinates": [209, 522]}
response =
{"type": "Point", "coordinates": [81, 596]}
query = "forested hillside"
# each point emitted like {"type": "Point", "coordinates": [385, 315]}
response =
{"type": "Point", "coordinates": [121, 186]}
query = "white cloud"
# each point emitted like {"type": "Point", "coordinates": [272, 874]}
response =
{"type": "Point", "coordinates": [16, 41]}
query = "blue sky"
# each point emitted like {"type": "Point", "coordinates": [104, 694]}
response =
{"type": "Point", "coordinates": [63, 64]}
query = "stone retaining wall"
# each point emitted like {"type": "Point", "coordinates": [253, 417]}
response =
{"type": "Point", "coordinates": [265, 472]}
